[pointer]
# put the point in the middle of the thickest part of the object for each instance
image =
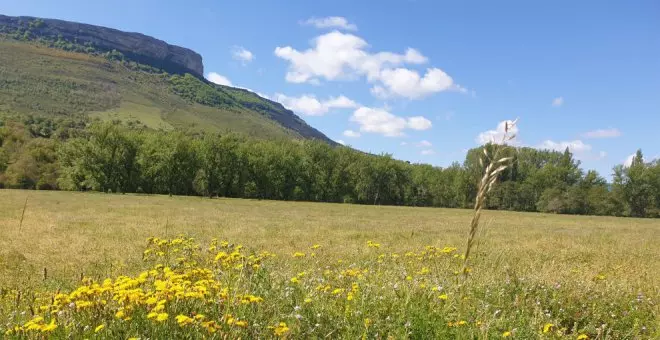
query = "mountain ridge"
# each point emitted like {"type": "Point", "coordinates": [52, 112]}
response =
{"type": "Point", "coordinates": [117, 46]}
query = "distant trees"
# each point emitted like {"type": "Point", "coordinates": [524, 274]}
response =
{"type": "Point", "coordinates": [41, 154]}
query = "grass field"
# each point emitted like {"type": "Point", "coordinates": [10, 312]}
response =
{"type": "Point", "coordinates": [532, 275]}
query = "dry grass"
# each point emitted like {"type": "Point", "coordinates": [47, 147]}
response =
{"type": "Point", "coordinates": [69, 233]}
{"type": "Point", "coordinates": [532, 275]}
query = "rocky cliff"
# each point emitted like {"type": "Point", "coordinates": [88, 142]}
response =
{"type": "Point", "coordinates": [135, 46]}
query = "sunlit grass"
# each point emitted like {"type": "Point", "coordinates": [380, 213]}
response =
{"type": "Point", "coordinates": [573, 275]}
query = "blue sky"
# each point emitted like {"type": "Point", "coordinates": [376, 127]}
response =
{"type": "Point", "coordinates": [425, 80]}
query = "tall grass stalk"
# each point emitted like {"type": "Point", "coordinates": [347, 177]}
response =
{"type": "Point", "coordinates": [496, 164]}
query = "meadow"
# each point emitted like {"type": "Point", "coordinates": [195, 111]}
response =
{"type": "Point", "coordinates": [138, 266]}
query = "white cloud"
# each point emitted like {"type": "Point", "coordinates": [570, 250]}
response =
{"type": "Point", "coordinates": [382, 122]}
{"type": "Point", "coordinates": [407, 83]}
{"type": "Point", "coordinates": [497, 135]}
{"type": "Point", "coordinates": [628, 162]}
{"type": "Point", "coordinates": [427, 152]}
{"type": "Point", "coordinates": [403, 143]}
{"type": "Point", "coordinates": [310, 106]}
{"type": "Point", "coordinates": [330, 22]}
{"type": "Point", "coordinates": [241, 54]}
{"type": "Point", "coordinates": [575, 146]}
{"type": "Point", "coordinates": [557, 102]}
{"type": "Point", "coordinates": [602, 154]}
{"type": "Point", "coordinates": [602, 133]}
{"type": "Point", "coordinates": [419, 123]}
{"type": "Point", "coordinates": [424, 144]}
{"type": "Point", "coordinates": [351, 134]}
{"type": "Point", "coordinates": [338, 56]}
{"type": "Point", "coordinates": [341, 142]}
{"type": "Point", "coordinates": [218, 79]}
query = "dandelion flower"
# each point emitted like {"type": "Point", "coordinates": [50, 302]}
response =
{"type": "Point", "coordinates": [582, 337]}
{"type": "Point", "coordinates": [281, 329]}
{"type": "Point", "coordinates": [99, 328]}
{"type": "Point", "coordinates": [506, 334]}
{"type": "Point", "coordinates": [548, 327]}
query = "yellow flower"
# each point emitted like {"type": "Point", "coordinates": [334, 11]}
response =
{"type": "Point", "coordinates": [298, 254]}
{"type": "Point", "coordinates": [442, 297]}
{"type": "Point", "coordinates": [162, 317]}
{"type": "Point", "coordinates": [582, 337]}
{"type": "Point", "coordinates": [183, 320]}
{"type": "Point", "coordinates": [372, 244]}
{"type": "Point", "coordinates": [424, 271]}
{"type": "Point", "coordinates": [308, 300]}
{"type": "Point", "coordinates": [461, 323]}
{"type": "Point", "coordinates": [548, 327]}
{"type": "Point", "coordinates": [316, 246]}
{"type": "Point", "coordinates": [99, 328]}
{"type": "Point", "coordinates": [367, 322]}
{"type": "Point", "coordinates": [120, 314]}
{"type": "Point", "coordinates": [281, 329]}
{"type": "Point", "coordinates": [241, 323]}
{"type": "Point", "coordinates": [294, 280]}
{"type": "Point", "coordinates": [51, 326]}
{"type": "Point", "coordinates": [506, 334]}
{"type": "Point", "coordinates": [409, 278]}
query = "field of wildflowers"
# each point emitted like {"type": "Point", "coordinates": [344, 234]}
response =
{"type": "Point", "coordinates": [225, 290]}
{"type": "Point", "coordinates": [108, 267]}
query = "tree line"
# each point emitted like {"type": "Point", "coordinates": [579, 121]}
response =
{"type": "Point", "coordinates": [70, 154]}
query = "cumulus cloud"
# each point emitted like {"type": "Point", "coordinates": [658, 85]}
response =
{"type": "Point", "coordinates": [557, 102]}
{"type": "Point", "coordinates": [218, 79]}
{"type": "Point", "coordinates": [575, 146]}
{"type": "Point", "coordinates": [372, 120]}
{"type": "Point", "coordinates": [497, 135]}
{"type": "Point", "coordinates": [419, 123]}
{"type": "Point", "coordinates": [311, 106]}
{"type": "Point", "coordinates": [424, 144]}
{"type": "Point", "coordinates": [602, 133]}
{"type": "Point", "coordinates": [241, 54]}
{"type": "Point", "coordinates": [341, 142]}
{"type": "Point", "coordinates": [330, 22]}
{"type": "Point", "coordinates": [338, 56]}
{"type": "Point", "coordinates": [427, 152]}
{"type": "Point", "coordinates": [628, 162]}
{"type": "Point", "coordinates": [351, 134]}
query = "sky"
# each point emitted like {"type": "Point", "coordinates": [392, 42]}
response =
{"type": "Point", "coordinates": [424, 80]}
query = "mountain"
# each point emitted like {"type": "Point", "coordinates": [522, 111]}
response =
{"type": "Point", "coordinates": [55, 67]}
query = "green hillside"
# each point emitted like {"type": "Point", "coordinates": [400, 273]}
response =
{"type": "Point", "coordinates": [39, 80]}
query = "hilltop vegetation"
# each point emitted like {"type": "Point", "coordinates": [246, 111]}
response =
{"type": "Point", "coordinates": [53, 82]}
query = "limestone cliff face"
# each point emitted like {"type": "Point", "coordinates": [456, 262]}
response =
{"type": "Point", "coordinates": [136, 46]}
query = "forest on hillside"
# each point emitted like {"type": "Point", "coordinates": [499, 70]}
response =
{"type": "Point", "coordinates": [75, 154]}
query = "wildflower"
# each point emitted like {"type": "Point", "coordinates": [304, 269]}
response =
{"type": "Point", "coordinates": [51, 326]}
{"type": "Point", "coordinates": [99, 328]}
{"type": "Point", "coordinates": [548, 327]}
{"type": "Point", "coordinates": [308, 300]}
{"type": "Point", "coordinates": [281, 329]}
{"type": "Point", "coordinates": [461, 323]}
{"type": "Point", "coordinates": [582, 337]}
{"type": "Point", "coordinates": [409, 278]}
{"type": "Point", "coordinates": [372, 244]}
{"type": "Point", "coordinates": [367, 322]}
{"type": "Point", "coordinates": [120, 314]}
{"type": "Point", "coordinates": [183, 320]}
{"type": "Point", "coordinates": [443, 297]}
{"type": "Point", "coordinates": [424, 271]}
{"type": "Point", "coordinates": [506, 334]}
{"type": "Point", "coordinates": [316, 246]}
{"type": "Point", "coordinates": [241, 323]}
{"type": "Point", "coordinates": [294, 280]}
{"type": "Point", "coordinates": [162, 317]}
{"type": "Point", "coordinates": [298, 254]}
